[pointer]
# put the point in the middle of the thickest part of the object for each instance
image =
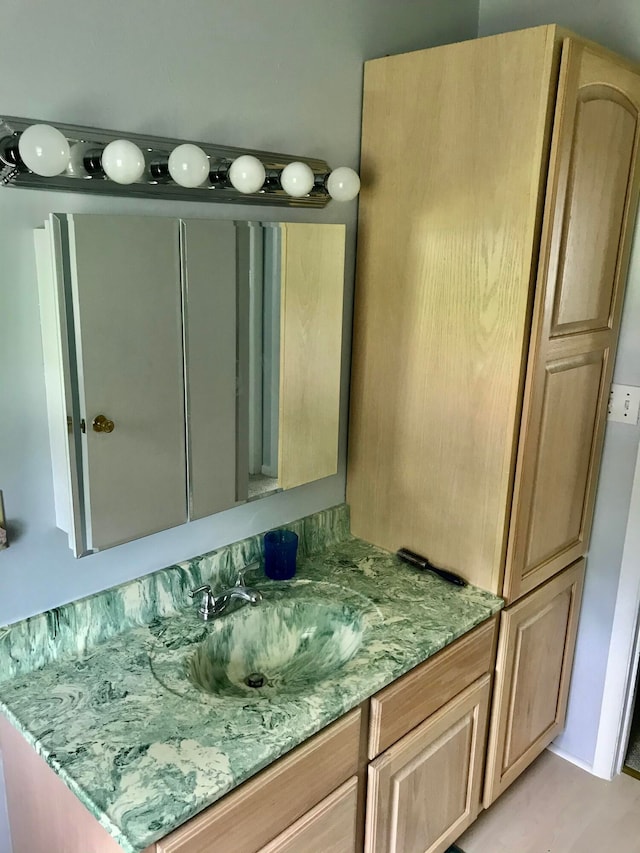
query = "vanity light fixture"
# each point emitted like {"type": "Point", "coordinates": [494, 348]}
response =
{"type": "Point", "coordinates": [74, 158]}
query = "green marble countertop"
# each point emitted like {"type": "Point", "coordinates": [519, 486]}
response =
{"type": "Point", "coordinates": [145, 750]}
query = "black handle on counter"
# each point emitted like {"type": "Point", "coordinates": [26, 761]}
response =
{"type": "Point", "coordinates": [425, 565]}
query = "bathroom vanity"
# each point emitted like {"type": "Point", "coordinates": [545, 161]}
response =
{"type": "Point", "coordinates": [381, 740]}
{"type": "Point", "coordinates": [488, 306]}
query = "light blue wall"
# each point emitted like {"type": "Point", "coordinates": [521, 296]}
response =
{"type": "Point", "coordinates": [615, 24]}
{"type": "Point", "coordinates": [283, 75]}
{"type": "Point", "coordinates": [271, 74]}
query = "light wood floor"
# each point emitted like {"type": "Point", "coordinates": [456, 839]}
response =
{"type": "Point", "coordinates": [555, 807]}
{"type": "Point", "coordinates": [632, 758]}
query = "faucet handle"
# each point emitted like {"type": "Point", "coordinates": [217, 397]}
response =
{"type": "Point", "coordinates": [208, 606]}
{"type": "Point", "coordinates": [205, 588]}
{"type": "Point", "coordinates": [241, 580]}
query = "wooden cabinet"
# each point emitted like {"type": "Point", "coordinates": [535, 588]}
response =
{"type": "Point", "coordinates": [592, 192]}
{"type": "Point", "coordinates": [330, 827]}
{"type": "Point", "coordinates": [425, 790]}
{"type": "Point", "coordinates": [306, 802]}
{"type": "Point", "coordinates": [500, 187]}
{"type": "Point", "coordinates": [500, 183]}
{"type": "Point", "coordinates": [407, 702]}
{"type": "Point", "coordinates": [269, 803]}
{"type": "Point", "coordinates": [533, 669]}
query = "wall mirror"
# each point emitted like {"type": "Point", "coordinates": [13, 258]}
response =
{"type": "Point", "coordinates": [190, 366]}
{"type": "Point", "coordinates": [295, 332]}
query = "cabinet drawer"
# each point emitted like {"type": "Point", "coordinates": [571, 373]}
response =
{"type": "Point", "coordinates": [330, 827]}
{"type": "Point", "coordinates": [404, 704]}
{"type": "Point", "coordinates": [251, 816]}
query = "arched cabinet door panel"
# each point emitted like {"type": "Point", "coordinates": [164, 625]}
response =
{"type": "Point", "coordinates": [592, 196]}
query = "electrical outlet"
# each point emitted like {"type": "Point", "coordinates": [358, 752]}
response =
{"type": "Point", "coordinates": [624, 404]}
{"type": "Point", "coordinates": [4, 542]}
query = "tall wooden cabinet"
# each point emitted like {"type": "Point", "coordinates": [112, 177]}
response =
{"type": "Point", "coordinates": [500, 186]}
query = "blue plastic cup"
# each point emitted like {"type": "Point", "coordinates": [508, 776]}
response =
{"type": "Point", "coordinates": [280, 548]}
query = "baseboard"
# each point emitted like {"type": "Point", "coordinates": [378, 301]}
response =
{"type": "Point", "coordinates": [583, 765]}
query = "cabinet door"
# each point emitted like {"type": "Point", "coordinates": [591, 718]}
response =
{"type": "Point", "coordinates": [209, 297]}
{"type": "Point", "coordinates": [424, 791]}
{"type": "Point", "coordinates": [533, 670]}
{"type": "Point", "coordinates": [330, 827]}
{"type": "Point", "coordinates": [591, 202]}
{"type": "Point", "coordinates": [311, 291]}
{"type": "Point", "coordinates": [125, 278]}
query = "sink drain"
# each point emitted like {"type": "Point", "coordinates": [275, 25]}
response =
{"type": "Point", "coordinates": [255, 679]}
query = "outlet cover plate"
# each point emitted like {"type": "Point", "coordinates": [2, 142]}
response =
{"type": "Point", "coordinates": [624, 404]}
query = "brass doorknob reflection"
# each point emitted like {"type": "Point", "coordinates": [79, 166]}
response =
{"type": "Point", "coordinates": [102, 424]}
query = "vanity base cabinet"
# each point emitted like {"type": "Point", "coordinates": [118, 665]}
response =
{"type": "Point", "coordinates": [271, 802]}
{"type": "Point", "coordinates": [426, 733]}
{"type": "Point", "coordinates": [407, 702]}
{"type": "Point", "coordinates": [424, 791]}
{"type": "Point", "coordinates": [330, 827]}
{"type": "Point", "coordinates": [533, 670]}
{"type": "Point", "coordinates": [44, 815]}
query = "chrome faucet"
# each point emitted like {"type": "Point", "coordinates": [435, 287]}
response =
{"type": "Point", "coordinates": [213, 606]}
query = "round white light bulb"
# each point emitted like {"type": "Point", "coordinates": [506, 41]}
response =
{"type": "Point", "coordinates": [123, 161]}
{"type": "Point", "coordinates": [77, 156]}
{"type": "Point", "coordinates": [297, 179]}
{"type": "Point", "coordinates": [188, 165]}
{"type": "Point", "coordinates": [343, 184]}
{"type": "Point", "coordinates": [44, 150]}
{"type": "Point", "coordinates": [247, 174]}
